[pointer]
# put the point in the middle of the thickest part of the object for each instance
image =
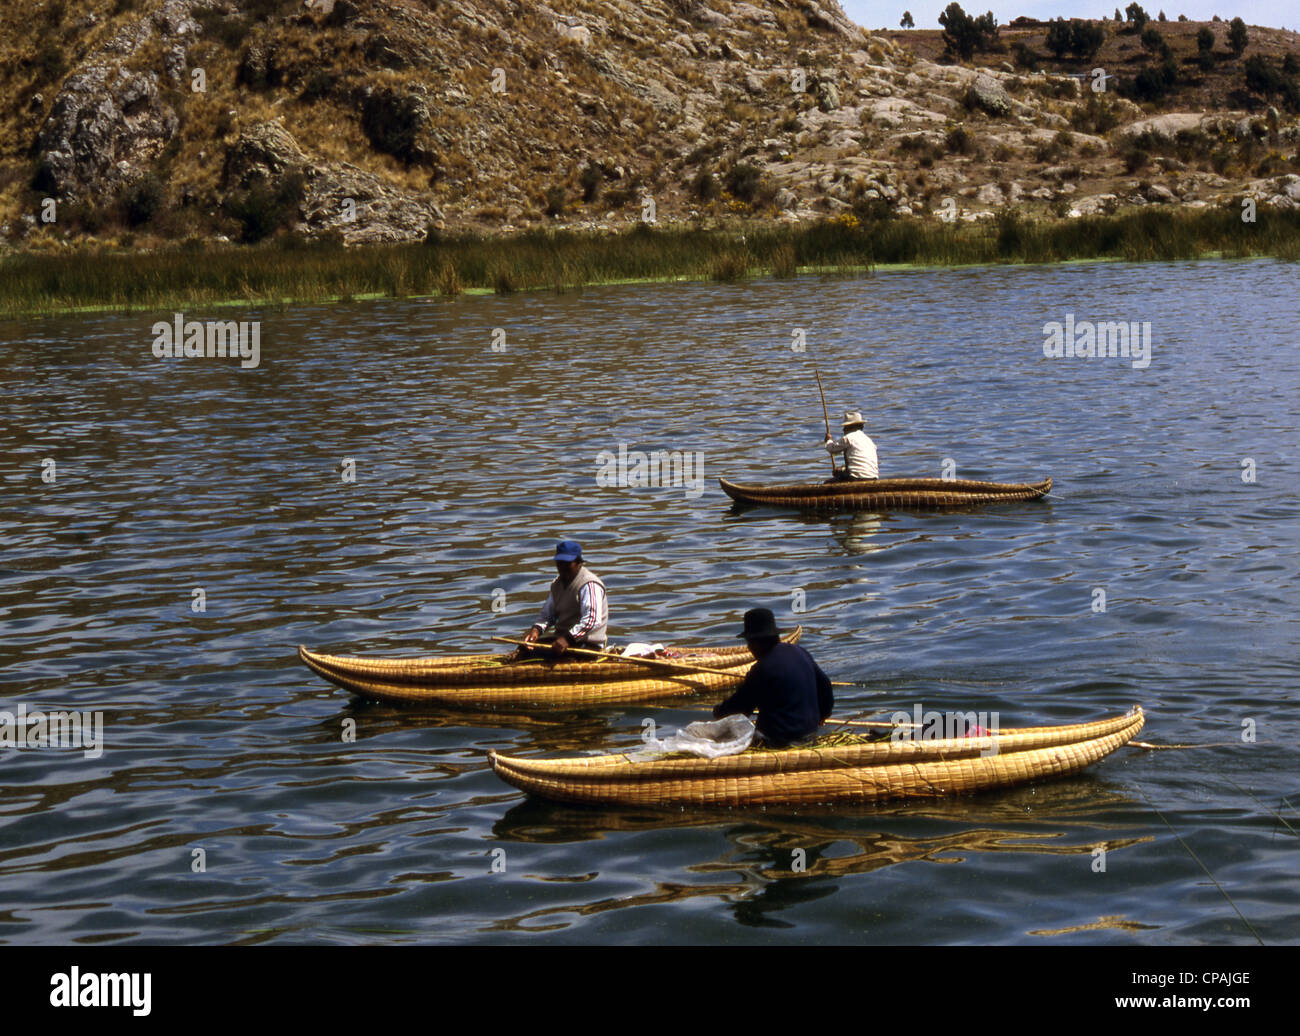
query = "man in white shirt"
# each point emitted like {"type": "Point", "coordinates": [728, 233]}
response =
{"type": "Point", "coordinates": [859, 451]}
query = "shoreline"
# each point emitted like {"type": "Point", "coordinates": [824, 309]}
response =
{"type": "Point", "coordinates": [752, 275]}
{"type": "Point", "coordinates": [298, 272]}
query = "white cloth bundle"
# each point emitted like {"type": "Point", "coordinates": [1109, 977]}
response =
{"type": "Point", "coordinates": [639, 650]}
{"type": "Point", "coordinates": [710, 739]}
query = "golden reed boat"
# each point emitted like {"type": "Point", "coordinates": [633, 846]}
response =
{"type": "Point", "coordinates": [870, 771]}
{"type": "Point", "coordinates": [493, 681]}
{"type": "Point", "coordinates": [886, 494]}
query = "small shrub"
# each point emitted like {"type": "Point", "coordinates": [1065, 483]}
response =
{"type": "Point", "coordinates": [702, 152]}
{"type": "Point", "coordinates": [621, 196]}
{"type": "Point", "coordinates": [231, 30]}
{"type": "Point", "coordinates": [554, 201]}
{"type": "Point", "coordinates": [393, 121]}
{"type": "Point", "coordinates": [50, 62]}
{"type": "Point", "coordinates": [503, 281]}
{"type": "Point", "coordinates": [142, 200]}
{"type": "Point", "coordinates": [265, 10]}
{"type": "Point", "coordinates": [873, 210]}
{"type": "Point", "coordinates": [1152, 41]}
{"type": "Point", "coordinates": [705, 185]}
{"type": "Point", "coordinates": [926, 151]}
{"type": "Point", "coordinates": [266, 207]}
{"type": "Point", "coordinates": [960, 140]}
{"type": "Point", "coordinates": [1086, 37]}
{"type": "Point", "coordinates": [1095, 116]}
{"type": "Point", "coordinates": [1154, 81]}
{"type": "Point", "coordinates": [728, 267]}
{"type": "Point", "coordinates": [590, 180]}
{"type": "Point", "coordinates": [319, 84]}
{"type": "Point", "coordinates": [1025, 57]}
{"type": "Point", "coordinates": [1272, 164]}
{"type": "Point", "coordinates": [743, 181]}
{"type": "Point", "coordinates": [784, 262]}
{"type": "Point", "coordinates": [1237, 37]}
{"type": "Point", "coordinates": [1048, 153]}
{"type": "Point", "coordinates": [448, 279]}
{"type": "Point", "coordinates": [1058, 37]}
{"type": "Point", "coordinates": [83, 216]}
{"type": "Point", "coordinates": [1134, 159]}
{"type": "Point", "coordinates": [1011, 233]}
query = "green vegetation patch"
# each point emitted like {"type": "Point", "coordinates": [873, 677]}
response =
{"type": "Point", "coordinates": [294, 269]}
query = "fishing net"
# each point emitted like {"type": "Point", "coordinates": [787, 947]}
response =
{"type": "Point", "coordinates": [710, 739]}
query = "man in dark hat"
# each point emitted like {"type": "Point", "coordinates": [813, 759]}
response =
{"type": "Point", "coordinates": [793, 696]}
{"type": "Point", "coordinates": [576, 605]}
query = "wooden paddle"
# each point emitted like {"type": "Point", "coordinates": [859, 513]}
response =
{"type": "Point", "coordinates": [827, 416]}
{"type": "Point", "coordinates": [654, 663]}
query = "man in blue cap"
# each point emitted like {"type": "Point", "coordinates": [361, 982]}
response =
{"type": "Point", "coordinates": [576, 606]}
{"type": "Point", "coordinates": [793, 696]}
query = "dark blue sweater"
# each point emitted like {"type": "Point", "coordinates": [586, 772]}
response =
{"type": "Point", "coordinates": [789, 690]}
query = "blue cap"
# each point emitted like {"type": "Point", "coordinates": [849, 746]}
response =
{"type": "Point", "coordinates": [568, 550]}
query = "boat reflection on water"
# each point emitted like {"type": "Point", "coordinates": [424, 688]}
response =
{"type": "Point", "coordinates": [570, 731]}
{"type": "Point", "coordinates": [857, 533]}
{"type": "Point", "coordinates": [774, 861]}
{"type": "Point", "coordinates": [545, 731]}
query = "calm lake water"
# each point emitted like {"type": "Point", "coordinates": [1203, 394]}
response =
{"type": "Point", "coordinates": [221, 750]}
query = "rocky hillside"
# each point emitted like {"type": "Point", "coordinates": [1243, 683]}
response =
{"type": "Point", "coordinates": [147, 120]}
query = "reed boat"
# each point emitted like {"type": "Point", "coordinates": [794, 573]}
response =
{"type": "Point", "coordinates": [491, 680]}
{"type": "Point", "coordinates": [886, 494]}
{"type": "Point", "coordinates": [863, 772]}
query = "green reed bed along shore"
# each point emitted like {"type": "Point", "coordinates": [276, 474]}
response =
{"type": "Point", "coordinates": [295, 270]}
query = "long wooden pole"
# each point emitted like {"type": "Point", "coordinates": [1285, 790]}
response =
{"type": "Point", "coordinates": [827, 416]}
{"type": "Point", "coordinates": [868, 723]}
{"type": "Point", "coordinates": [653, 663]}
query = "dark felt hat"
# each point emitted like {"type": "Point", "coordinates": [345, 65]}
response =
{"type": "Point", "coordinates": [759, 622]}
